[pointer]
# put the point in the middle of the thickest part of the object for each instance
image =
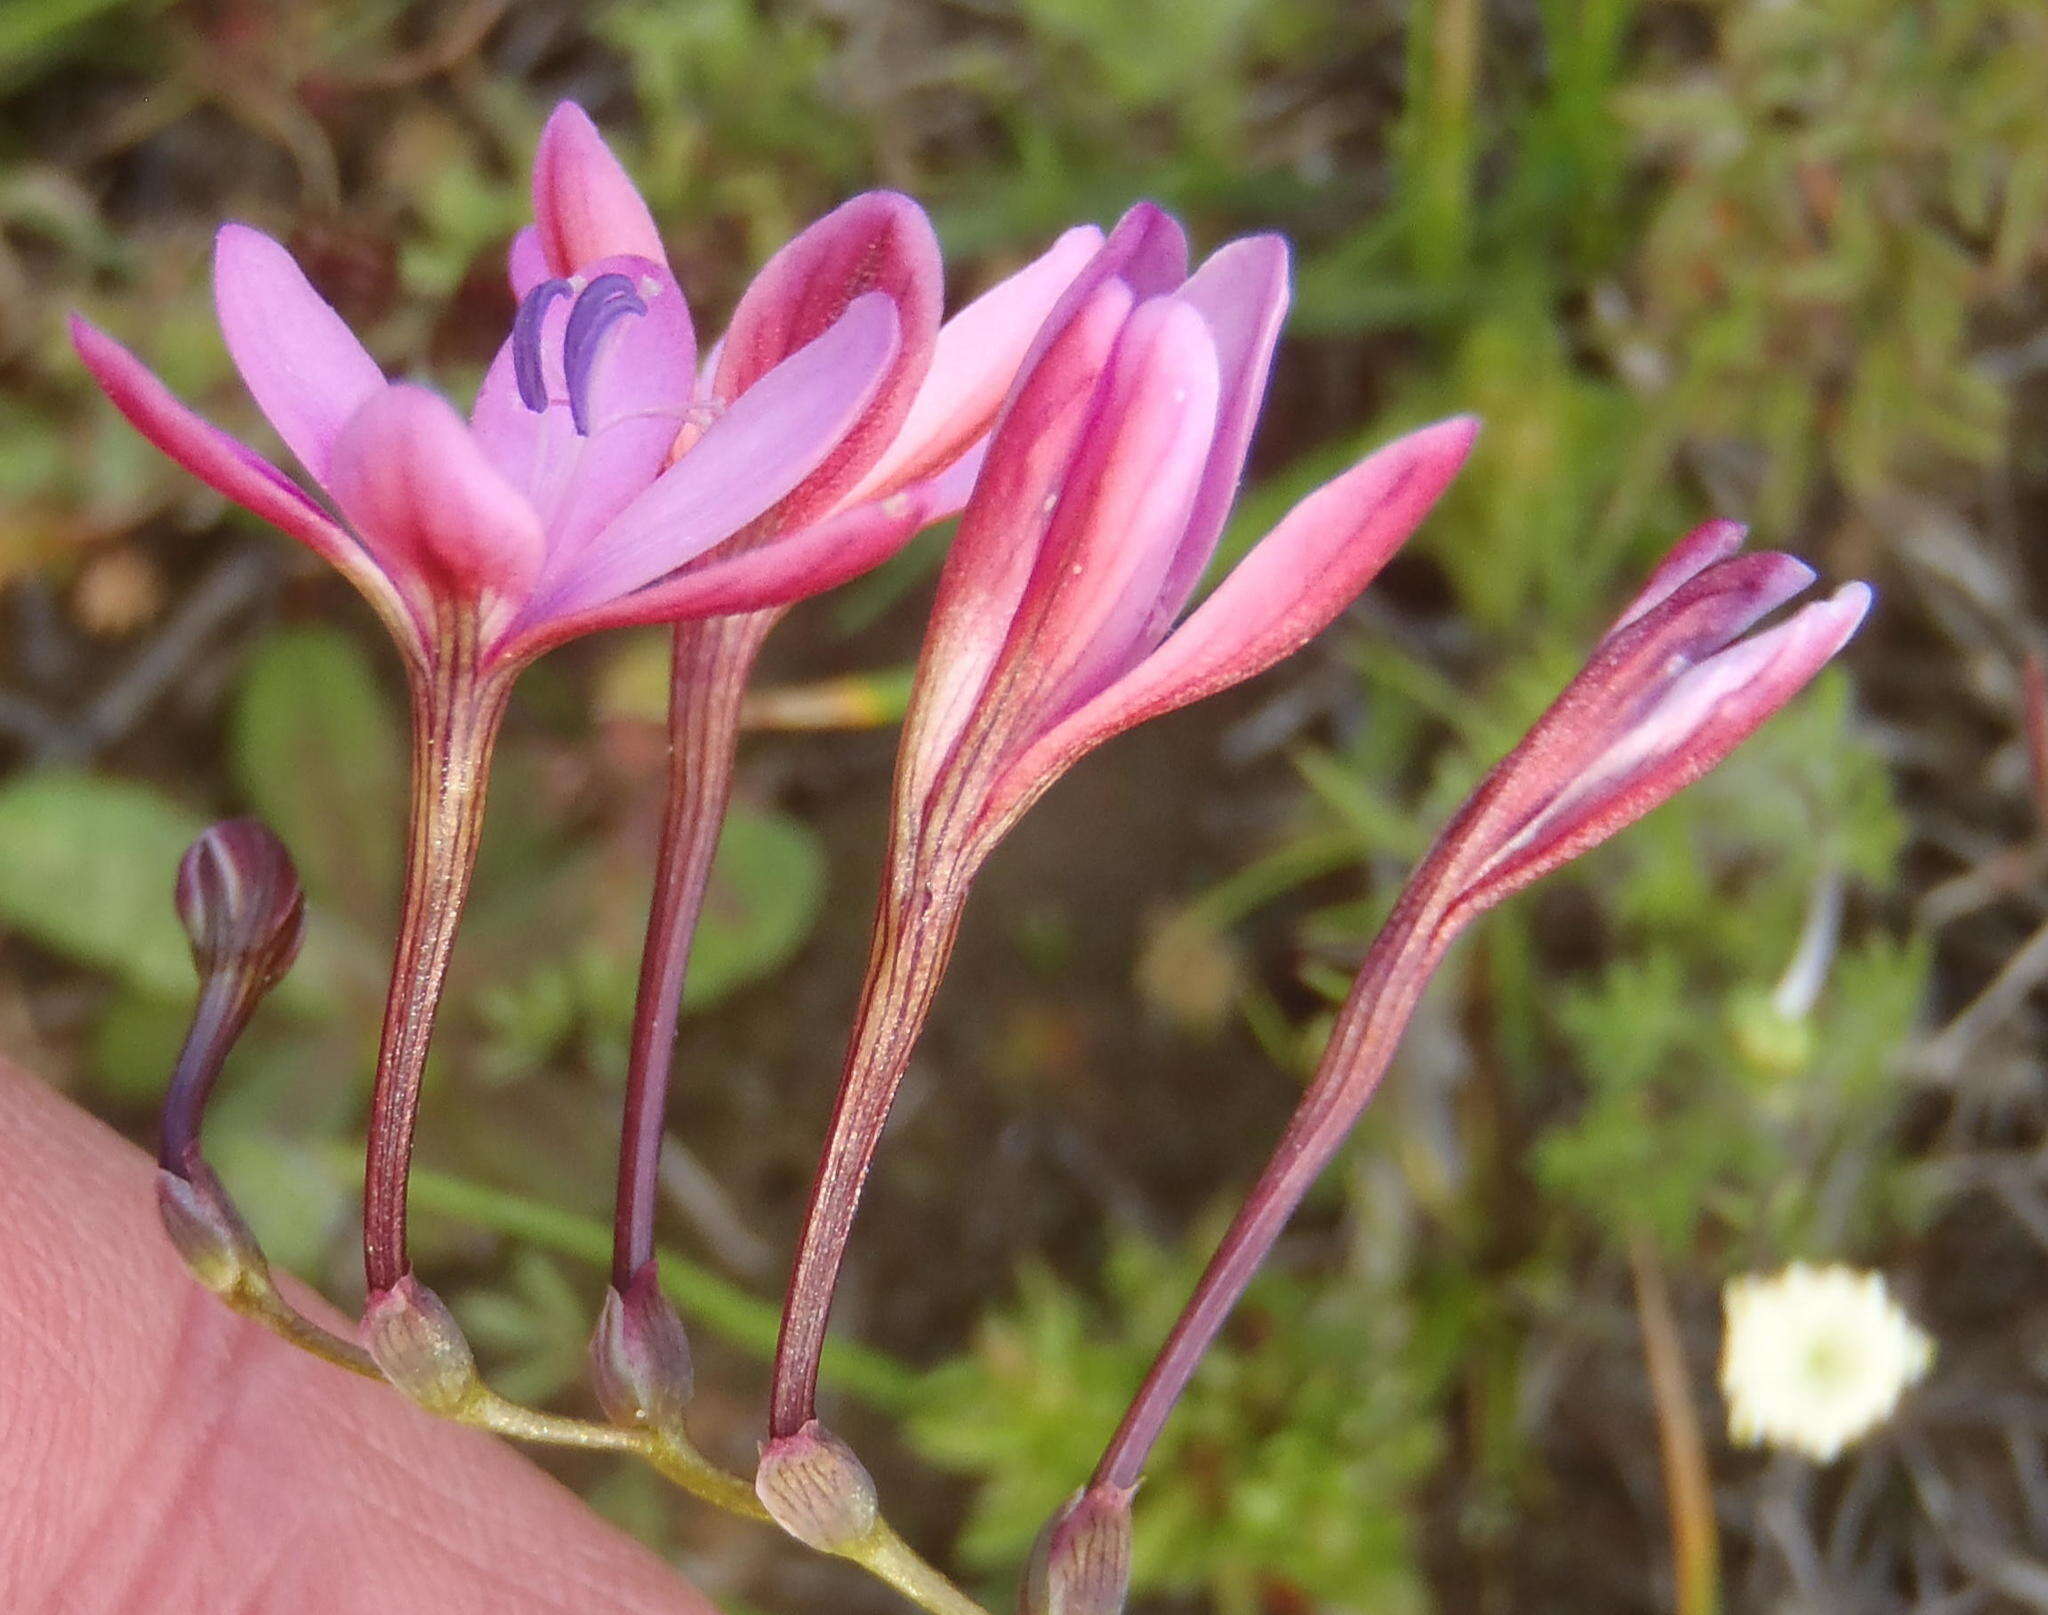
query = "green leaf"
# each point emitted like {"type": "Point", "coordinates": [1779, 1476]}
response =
{"type": "Point", "coordinates": [88, 873]}
{"type": "Point", "coordinates": [320, 754]}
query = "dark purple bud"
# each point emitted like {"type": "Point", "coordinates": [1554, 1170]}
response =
{"type": "Point", "coordinates": [640, 1357]}
{"type": "Point", "coordinates": [814, 1487]}
{"type": "Point", "coordinates": [413, 1337]}
{"type": "Point", "coordinates": [1081, 1564]}
{"type": "Point", "coordinates": [239, 900]}
{"type": "Point", "coordinates": [208, 1232]}
{"type": "Point", "coordinates": [527, 372]}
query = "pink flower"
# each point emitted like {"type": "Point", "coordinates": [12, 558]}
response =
{"type": "Point", "coordinates": [1107, 483]}
{"type": "Point", "coordinates": [1670, 690]}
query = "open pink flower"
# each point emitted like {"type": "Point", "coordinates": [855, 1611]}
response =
{"type": "Point", "coordinates": [1107, 482]}
{"type": "Point", "coordinates": [1671, 689]}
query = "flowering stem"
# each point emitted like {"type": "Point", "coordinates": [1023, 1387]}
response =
{"type": "Point", "coordinates": [712, 660]}
{"type": "Point", "coordinates": [1688, 1494]}
{"type": "Point", "coordinates": [915, 927]}
{"type": "Point", "coordinates": [1389, 986]}
{"type": "Point", "coordinates": [223, 1009]}
{"type": "Point", "coordinates": [456, 711]}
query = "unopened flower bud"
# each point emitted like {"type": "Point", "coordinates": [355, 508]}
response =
{"type": "Point", "coordinates": [207, 1231]}
{"type": "Point", "coordinates": [1081, 1564]}
{"type": "Point", "coordinates": [240, 903]}
{"type": "Point", "coordinates": [814, 1487]}
{"type": "Point", "coordinates": [414, 1338]}
{"type": "Point", "coordinates": [640, 1357]}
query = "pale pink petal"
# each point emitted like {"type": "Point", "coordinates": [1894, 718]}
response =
{"type": "Point", "coordinates": [992, 556]}
{"type": "Point", "coordinates": [299, 360]}
{"type": "Point", "coordinates": [639, 394]}
{"type": "Point", "coordinates": [585, 206]}
{"type": "Point", "coordinates": [973, 363]}
{"type": "Point", "coordinates": [1291, 586]}
{"type": "Point", "coordinates": [411, 479]}
{"type": "Point", "coordinates": [791, 567]}
{"type": "Point", "coordinates": [1697, 721]}
{"type": "Point", "coordinates": [526, 264]}
{"type": "Point", "coordinates": [769, 440]}
{"type": "Point", "coordinates": [1242, 292]}
{"type": "Point", "coordinates": [1123, 509]}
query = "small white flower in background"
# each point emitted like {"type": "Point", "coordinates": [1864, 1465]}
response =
{"type": "Point", "coordinates": [1815, 1357]}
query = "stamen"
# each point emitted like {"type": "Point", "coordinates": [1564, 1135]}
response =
{"type": "Point", "coordinates": [597, 310]}
{"type": "Point", "coordinates": [526, 325]}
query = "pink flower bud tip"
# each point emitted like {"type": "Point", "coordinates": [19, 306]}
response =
{"type": "Point", "coordinates": [814, 1487]}
{"type": "Point", "coordinates": [413, 1337]}
{"type": "Point", "coordinates": [1081, 1564]}
{"type": "Point", "coordinates": [239, 900]}
{"type": "Point", "coordinates": [640, 1356]}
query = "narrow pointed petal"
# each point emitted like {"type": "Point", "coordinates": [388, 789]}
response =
{"type": "Point", "coordinates": [585, 206]}
{"type": "Point", "coordinates": [993, 555]}
{"type": "Point", "coordinates": [1698, 720]}
{"type": "Point", "coordinates": [638, 396]}
{"type": "Point", "coordinates": [299, 360]}
{"type": "Point", "coordinates": [413, 482]}
{"type": "Point", "coordinates": [973, 364]}
{"type": "Point", "coordinates": [526, 264]}
{"type": "Point", "coordinates": [1291, 586]}
{"type": "Point", "coordinates": [773, 437]}
{"type": "Point", "coordinates": [1242, 291]}
{"type": "Point", "coordinates": [785, 569]}
{"type": "Point", "coordinates": [1122, 513]}
{"type": "Point", "coordinates": [1146, 254]}
{"type": "Point", "coordinates": [880, 242]}
{"type": "Point", "coordinates": [1693, 554]}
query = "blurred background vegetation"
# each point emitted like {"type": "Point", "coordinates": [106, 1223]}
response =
{"type": "Point", "coordinates": [1785, 260]}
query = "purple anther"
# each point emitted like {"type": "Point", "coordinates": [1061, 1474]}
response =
{"type": "Point", "coordinates": [526, 324]}
{"type": "Point", "coordinates": [597, 310]}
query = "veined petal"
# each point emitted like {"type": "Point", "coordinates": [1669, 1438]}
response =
{"type": "Point", "coordinates": [298, 358]}
{"type": "Point", "coordinates": [880, 242]}
{"type": "Point", "coordinates": [585, 206]}
{"type": "Point", "coordinates": [772, 437]}
{"type": "Point", "coordinates": [973, 363]}
{"type": "Point", "coordinates": [1002, 529]}
{"type": "Point", "coordinates": [638, 395]}
{"type": "Point", "coordinates": [1696, 722]}
{"type": "Point", "coordinates": [1242, 292]}
{"type": "Point", "coordinates": [414, 483]}
{"type": "Point", "coordinates": [1291, 586]}
{"type": "Point", "coordinates": [1122, 513]}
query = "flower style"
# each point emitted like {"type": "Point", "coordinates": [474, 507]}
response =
{"type": "Point", "coordinates": [1106, 484]}
{"type": "Point", "coordinates": [592, 485]}
{"type": "Point", "coordinates": [1816, 1357]}
{"type": "Point", "coordinates": [1668, 693]}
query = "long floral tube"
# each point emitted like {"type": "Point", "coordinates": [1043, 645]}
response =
{"type": "Point", "coordinates": [1059, 623]}
{"type": "Point", "coordinates": [1670, 691]}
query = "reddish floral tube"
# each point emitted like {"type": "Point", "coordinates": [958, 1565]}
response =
{"type": "Point", "coordinates": [1668, 693]}
{"type": "Point", "coordinates": [1108, 477]}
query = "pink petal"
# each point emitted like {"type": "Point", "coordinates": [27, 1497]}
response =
{"type": "Point", "coordinates": [771, 439]}
{"type": "Point", "coordinates": [1123, 509]}
{"type": "Point", "coordinates": [299, 360]}
{"type": "Point", "coordinates": [526, 264]}
{"type": "Point", "coordinates": [1693, 554]}
{"type": "Point", "coordinates": [973, 363]}
{"type": "Point", "coordinates": [791, 567]}
{"type": "Point", "coordinates": [585, 206]}
{"type": "Point", "coordinates": [1291, 586]}
{"type": "Point", "coordinates": [1003, 527]}
{"type": "Point", "coordinates": [878, 242]}
{"type": "Point", "coordinates": [1242, 292]}
{"type": "Point", "coordinates": [639, 395]}
{"type": "Point", "coordinates": [414, 483]}
{"type": "Point", "coordinates": [1699, 719]}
